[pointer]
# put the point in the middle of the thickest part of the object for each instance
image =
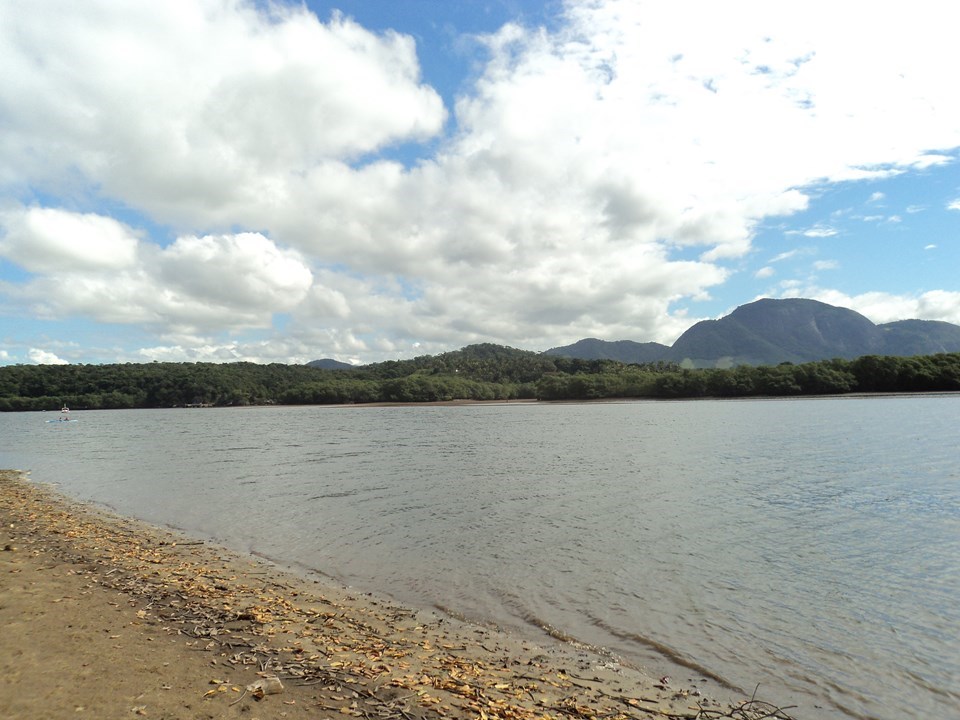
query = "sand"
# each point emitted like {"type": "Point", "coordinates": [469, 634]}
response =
{"type": "Point", "coordinates": [107, 617]}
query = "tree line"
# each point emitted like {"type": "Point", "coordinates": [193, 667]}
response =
{"type": "Point", "coordinates": [477, 372]}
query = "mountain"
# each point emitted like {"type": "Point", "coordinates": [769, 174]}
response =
{"type": "Point", "coordinates": [625, 351]}
{"type": "Point", "coordinates": [330, 364]}
{"type": "Point", "coordinates": [920, 337]}
{"type": "Point", "coordinates": [769, 332]}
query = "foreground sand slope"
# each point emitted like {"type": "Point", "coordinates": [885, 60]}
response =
{"type": "Point", "coordinates": [105, 617]}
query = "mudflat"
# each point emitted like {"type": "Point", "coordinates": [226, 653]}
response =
{"type": "Point", "coordinates": [108, 617]}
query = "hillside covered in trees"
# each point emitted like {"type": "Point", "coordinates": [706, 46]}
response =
{"type": "Point", "coordinates": [477, 372]}
{"type": "Point", "coordinates": [772, 331]}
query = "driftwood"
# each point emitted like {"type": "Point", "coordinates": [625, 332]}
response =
{"type": "Point", "coordinates": [751, 709]}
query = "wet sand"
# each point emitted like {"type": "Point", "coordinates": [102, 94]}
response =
{"type": "Point", "coordinates": [107, 617]}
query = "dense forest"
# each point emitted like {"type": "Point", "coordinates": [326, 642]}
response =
{"type": "Point", "coordinates": [477, 372]}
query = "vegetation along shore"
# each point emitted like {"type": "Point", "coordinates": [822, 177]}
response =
{"type": "Point", "coordinates": [476, 372]}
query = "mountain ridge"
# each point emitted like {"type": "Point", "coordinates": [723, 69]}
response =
{"type": "Point", "coordinates": [771, 331]}
{"type": "Point", "coordinates": [330, 364]}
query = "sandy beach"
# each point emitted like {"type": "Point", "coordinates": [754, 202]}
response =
{"type": "Point", "coordinates": [107, 617]}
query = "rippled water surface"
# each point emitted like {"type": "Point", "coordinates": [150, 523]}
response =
{"type": "Point", "coordinates": [811, 546]}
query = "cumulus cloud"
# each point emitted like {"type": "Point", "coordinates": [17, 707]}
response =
{"type": "Point", "coordinates": [89, 265]}
{"type": "Point", "coordinates": [52, 240]}
{"type": "Point", "coordinates": [598, 178]}
{"type": "Point", "coordinates": [245, 271]}
{"type": "Point", "coordinates": [882, 307]}
{"type": "Point", "coordinates": [184, 108]}
{"type": "Point", "coordinates": [954, 205]}
{"type": "Point", "coordinates": [765, 272]}
{"type": "Point", "coordinates": [44, 357]}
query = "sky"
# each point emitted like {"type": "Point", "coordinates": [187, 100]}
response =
{"type": "Point", "coordinates": [368, 180]}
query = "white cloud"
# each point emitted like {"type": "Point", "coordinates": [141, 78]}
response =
{"type": "Point", "coordinates": [954, 205]}
{"type": "Point", "coordinates": [787, 255]}
{"type": "Point", "coordinates": [820, 232]}
{"type": "Point", "coordinates": [932, 160]}
{"type": "Point", "coordinates": [44, 357]}
{"type": "Point", "coordinates": [764, 272]}
{"type": "Point", "coordinates": [931, 246]}
{"type": "Point", "coordinates": [876, 197]}
{"type": "Point", "coordinates": [582, 162]}
{"type": "Point", "coordinates": [204, 283]}
{"type": "Point", "coordinates": [883, 307]}
{"type": "Point", "coordinates": [245, 271]}
{"type": "Point", "coordinates": [189, 109]}
{"type": "Point", "coordinates": [826, 265]}
{"type": "Point", "coordinates": [51, 240]}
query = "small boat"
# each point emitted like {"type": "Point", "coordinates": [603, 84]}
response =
{"type": "Point", "coordinates": [64, 416]}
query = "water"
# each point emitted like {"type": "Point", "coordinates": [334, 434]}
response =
{"type": "Point", "coordinates": [811, 546]}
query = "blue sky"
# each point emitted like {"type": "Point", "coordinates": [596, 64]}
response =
{"type": "Point", "coordinates": [221, 180]}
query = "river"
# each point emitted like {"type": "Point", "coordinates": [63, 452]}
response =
{"type": "Point", "coordinates": [809, 545]}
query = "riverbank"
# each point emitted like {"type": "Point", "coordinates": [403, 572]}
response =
{"type": "Point", "coordinates": [108, 617]}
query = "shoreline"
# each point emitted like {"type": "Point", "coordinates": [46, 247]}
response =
{"type": "Point", "coordinates": [108, 616]}
{"type": "Point", "coordinates": [534, 401]}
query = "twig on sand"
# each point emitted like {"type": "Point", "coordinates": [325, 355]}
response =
{"type": "Point", "coordinates": [751, 709]}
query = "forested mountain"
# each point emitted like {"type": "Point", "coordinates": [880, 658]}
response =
{"type": "Point", "coordinates": [626, 351]}
{"type": "Point", "coordinates": [765, 348]}
{"type": "Point", "coordinates": [769, 332]}
{"type": "Point", "coordinates": [330, 364]}
{"type": "Point", "coordinates": [920, 337]}
{"type": "Point", "coordinates": [477, 372]}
